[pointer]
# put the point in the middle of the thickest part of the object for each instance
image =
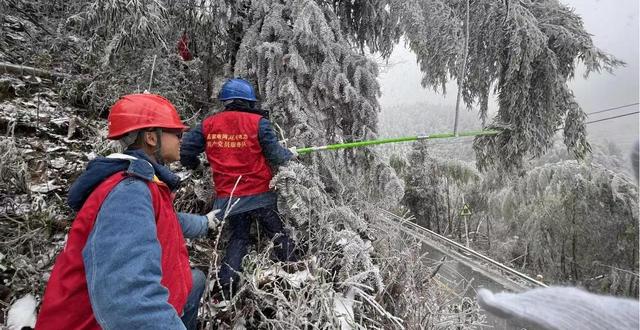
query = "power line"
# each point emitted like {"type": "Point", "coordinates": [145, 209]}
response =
{"type": "Point", "coordinates": [614, 108]}
{"type": "Point", "coordinates": [560, 128]}
{"type": "Point", "coordinates": [605, 119]}
{"type": "Point", "coordinates": [614, 117]}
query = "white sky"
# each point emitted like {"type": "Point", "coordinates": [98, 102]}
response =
{"type": "Point", "coordinates": [614, 25]}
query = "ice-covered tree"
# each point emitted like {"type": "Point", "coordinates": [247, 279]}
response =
{"type": "Point", "coordinates": [434, 188]}
{"type": "Point", "coordinates": [308, 59]}
{"type": "Point", "coordinates": [556, 210]}
{"type": "Point", "coordinates": [524, 51]}
{"type": "Point", "coordinates": [310, 65]}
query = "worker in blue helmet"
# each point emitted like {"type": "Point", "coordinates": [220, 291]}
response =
{"type": "Point", "coordinates": [241, 147]}
{"type": "Point", "coordinates": [237, 89]}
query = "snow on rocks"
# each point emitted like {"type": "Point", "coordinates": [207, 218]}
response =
{"type": "Point", "coordinates": [37, 134]}
{"type": "Point", "coordinates": [45, 187]}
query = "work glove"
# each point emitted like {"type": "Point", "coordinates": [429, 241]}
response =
{"type": "Point", "coordinates": [212, 220]}
{"type": "Point", "coordinates": [294, 151]}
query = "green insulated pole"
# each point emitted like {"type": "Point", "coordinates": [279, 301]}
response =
{"type": "Point", "coordinates": [307, 150]}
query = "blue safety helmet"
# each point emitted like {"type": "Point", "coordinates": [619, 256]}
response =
{"type": "Point", "coordinates": [237, 88]}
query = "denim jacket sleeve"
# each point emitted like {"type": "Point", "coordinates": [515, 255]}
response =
{"type": "Point", "coordinates": [193, 225]}
{"type": "Point", "coordinates": [122, 263]}
{"type": "Point", "coordinates": [193, 144]}
{"type": "Point", "coordinates": [275, 153]}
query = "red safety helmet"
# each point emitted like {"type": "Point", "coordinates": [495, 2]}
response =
{"type": "Point", "coordinates": [135, 111]}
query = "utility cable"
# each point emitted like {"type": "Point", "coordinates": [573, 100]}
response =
{"type": "Point", "coordinates": [614, 117]}
{"type": "Point", "coordinates": [614, 108]}
{"type": "Point", "coordinates": [357, 144]}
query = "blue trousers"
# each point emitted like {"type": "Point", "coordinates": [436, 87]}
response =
{"type": "Point", "coordinates": [240, 225]}
{"type": "Point", "coordinates": [190, 312]}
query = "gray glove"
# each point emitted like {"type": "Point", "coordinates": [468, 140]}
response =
{"type": "Point", "coordinates": [561, 308]}
{"type": "Point", "coordinates": [294, 151]}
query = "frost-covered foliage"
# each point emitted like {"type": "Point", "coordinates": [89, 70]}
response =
{"type": "Point", "coordinates": [319, 87]}
{"type": "Point", "coordinates": [557, 211]}
{"type": "Point", "coordinates": [328, 229]}
{"type": "Point", "coordinates": [36, 164]}
{"type": "Point", "coordinates": [413, 284]}
{"type": "Point", "coordinates": [525, 51]}
{"type": "Point", "coordinates": [356, 270]}
{"type": "Point", "coordinates": [13, 168]}
{"type": "Point", "coordinates": [606, 154]}
{"type": "Point", "coordinates": [434, 187]}
{"type": "Point", "coordinates": [307, 72]}
{"type": "Point", "coordinates": [307, 60]}
{"type": "Point", "coordinates": [571, 222]}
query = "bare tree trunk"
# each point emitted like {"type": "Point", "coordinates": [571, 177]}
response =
{"type": "Point", "coordinates": [634, 252]}
{"type": "Point", "coordinates": [22, 70]}
{"type": "Point", "coordinates": [463, 69]}
{"type": "Point", "coordinates": [448, 205]}
{"type": "Point", "coordinates": [574, 263]}
{"type": "Point", "coordinates": [475, 234]}
{"type": "Point", "coordinates": [466, 229]}
{"type": "Point", "coordinates": [209, 79]}
{"type": "Point", "coordinates": [563, 266]}
{"type": "Point", "coordinates": [437, 213]}
{"type": "Point", "coordinates": [489, 232]}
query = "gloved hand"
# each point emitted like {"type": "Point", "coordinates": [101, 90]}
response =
{"type": "Point", "coordinates": [212, 220]}
{"type": "Point", "coordinates": [561, 308]}
{"type": "Point", "coordinates": [294, 151]}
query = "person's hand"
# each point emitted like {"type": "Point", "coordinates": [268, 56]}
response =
{"type": "Point", "coordinates": [294, 151]}
{"type": "Point", "coordinates": [213, 221]}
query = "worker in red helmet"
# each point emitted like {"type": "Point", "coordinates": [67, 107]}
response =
{"type": "Point", "coordinates": [125, 263]}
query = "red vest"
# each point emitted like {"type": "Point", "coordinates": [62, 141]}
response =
{"type": "Point", "coordinates": [233, 150]}
{"type": "Point", "coordinates": [66, 302]}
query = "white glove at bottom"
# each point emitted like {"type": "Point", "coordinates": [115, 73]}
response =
{"type": "Point", "coordinates": [212, 220]}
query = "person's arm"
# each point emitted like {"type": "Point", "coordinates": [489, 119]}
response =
{"type": "Point", "coordinates": [193, 144]}
{"type": "Point", "coordinates": [122, 260]}
{"type": "Point", "coordinates": [561, 308]}
{"type": "Point", "coordinates": [275, 153]}
{"type": "Point", "coordinates": [193, 225]}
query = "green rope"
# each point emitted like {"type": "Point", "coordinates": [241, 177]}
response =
{"type": "Point", "coordinates": [306, 150]}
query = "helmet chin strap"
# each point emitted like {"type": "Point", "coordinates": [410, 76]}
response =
{"type": "Point", "coordinates": [158, 152]}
